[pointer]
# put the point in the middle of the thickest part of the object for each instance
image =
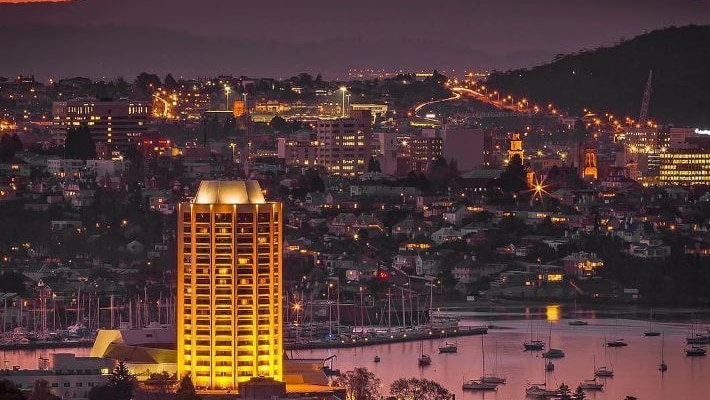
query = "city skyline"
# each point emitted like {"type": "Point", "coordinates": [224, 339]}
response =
{"type": "Point", "coordinates": [298, 37]}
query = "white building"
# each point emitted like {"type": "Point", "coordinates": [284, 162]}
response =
{"type": "Point", "coordinates": [69, 377]}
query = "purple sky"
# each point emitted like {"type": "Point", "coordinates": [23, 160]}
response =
{"type": "Point", "coordinates": [411, 34]}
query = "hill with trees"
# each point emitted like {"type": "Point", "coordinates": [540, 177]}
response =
{"type": "Point", "coordinates": [612, 79]}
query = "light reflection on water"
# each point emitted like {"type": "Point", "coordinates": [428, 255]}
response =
{"type": "Point", "coordinates": [635, 366]}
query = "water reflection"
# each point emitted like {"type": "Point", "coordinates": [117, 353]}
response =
{"type": "Point", "coordinates": [552, 312]}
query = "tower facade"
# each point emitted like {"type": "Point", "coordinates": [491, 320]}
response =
{"type": "Point", "coordinates": [516, 147]}
{"type": "Point", "coordinates": [589, 165]}
{"type": "Point", "coordinates": [229, 326]}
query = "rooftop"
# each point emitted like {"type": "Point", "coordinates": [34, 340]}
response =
{"type": "Point", "coordinates": [229, 192]}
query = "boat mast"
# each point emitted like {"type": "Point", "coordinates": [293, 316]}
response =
{"type": "Point", "coordinates": [389, 310]}
{"type": "Point", "coordinates": [404, 311]}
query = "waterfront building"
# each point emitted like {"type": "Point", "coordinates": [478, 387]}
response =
{"type": "Point", "coordinates": [229, 322]}
{"type": "Point", "coordinates": [68, 376]}
{"type": "Point", "coordinates": [114, 125]}
{"type": "Point", "coordinates": [345, 144]}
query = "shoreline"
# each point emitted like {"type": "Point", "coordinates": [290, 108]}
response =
{"type": "Point", "coordinates": [408, 337]}
{"type": "Point", "coordinates": [46, 345]}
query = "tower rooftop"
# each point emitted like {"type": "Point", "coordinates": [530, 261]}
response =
{"type": "Point", "coordinates": [229, 192]}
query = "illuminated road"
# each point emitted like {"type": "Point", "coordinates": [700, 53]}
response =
{"type": "Point", "coordinates": [418, 108]}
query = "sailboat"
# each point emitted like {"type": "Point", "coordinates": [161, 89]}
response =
{"type": "Point", "coordinates": [650, 331]}
{"type": "Point", "coordinates": [449, 347]}
{"type": "Point", "coordinates": [541, 390]}
{"type": "Point", "coordinates": [662, 366]}
{"type": "Point", "coordinates": [617, 342]}
{"type": "Point", "coordinates": [603, 371]}
{"type": "Point", "coordinates": [424, 359]}
{"type": "Point", "coordinates": [577, 322]}
{"type": "Point", "coordinates": [376, 359]}
{"type": "Point", "coordinates": [695, 351]}
{"type": "Point", "coordinates": [533, 344]}
{"type": "Point", "coordinates": [592, 384]}
{"type": "Point", "coordinates": [494, 378]}
{"type": "Point", "coordinates": [552, 352]}
{"type": "Point", "coordinates": [480, 384]}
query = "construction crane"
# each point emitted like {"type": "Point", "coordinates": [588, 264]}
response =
{"type": "Point", "coordinates": [643, 116]}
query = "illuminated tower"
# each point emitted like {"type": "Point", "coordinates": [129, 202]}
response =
{"type": "Point", "coordinates": [229, 285]}
{"type": "Point", "coordinates": [516, 147]}
{"type": "Point", "coordinates": [589, 166]}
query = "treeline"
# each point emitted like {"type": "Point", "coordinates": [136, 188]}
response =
{"type": "Point", "coordinates": [612, 79]}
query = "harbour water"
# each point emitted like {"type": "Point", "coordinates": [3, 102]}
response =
{"type": "Point", "coordinates": [635, 366]}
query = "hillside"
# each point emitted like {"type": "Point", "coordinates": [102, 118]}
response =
{"type": "Point", "coordinates": [612, 79]}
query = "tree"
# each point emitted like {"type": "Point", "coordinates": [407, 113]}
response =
{"type": "Point", "coordinates": [418, 389]}
{"type": "Point", "coordinates": [79, 144]}
{"type": "Point", "coordinates": [42, 391]}
{"type": "Point", "coordinates": [513, 178]}
{"type": "Point", "coordinates": [121, 382]}
{"type": "Point", "coordinates": [161, 381]}
{"type": "Point", "coordinates": [8, 391]}
{"type": "Point", "coordinates": [373, 165]}
{"type": "Point", "coordinates": [100, 392]}
{"type": "Point", "coordinates": [579, 393]}
{"type": "Point", "coordinates": [9, 145]}
{"type": "Point", "coordinates": [565, 393]}
{"type": "Point", "coordinates": [186, 391]}
{"type": "Point", "coordinates": [360, 384]}
{"type": "Point", "coordinates": [170, 83]}
{"type": "Point", "coordinates": [279, 124]}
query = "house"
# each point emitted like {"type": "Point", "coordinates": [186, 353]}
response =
{"type": "Point", "coordinates": [405, 261]}
{"type": "Point", "coordinates": [581, 264]}
{"type": "Point", "coordinates": [446, 234]}
{"type": "Point", "coordinates": [361, 272]}
{"type": "Point", "coordinates": [649, 248]}
{"type": "Point", "coordinates": [346, 224]}
{"type": "Point", "coordinates": [456, 215]}
{"type": "Point", "coordinates": [409, 229]}
{"type": "Point", "coordinates": [428, 264]}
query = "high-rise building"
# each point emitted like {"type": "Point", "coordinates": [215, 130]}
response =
{"type": "Point", "coordinates": [114, 125]}
{"type": "Point", "coordinates": [229, 286]}
{"type": "Point", "coordinates": [345, 144]}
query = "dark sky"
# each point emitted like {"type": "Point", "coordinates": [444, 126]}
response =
{"type": "Point", "coordinates": [283, 37]}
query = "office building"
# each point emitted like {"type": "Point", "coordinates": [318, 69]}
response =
{"type": "Point", "coordinates": [114, 125]}
{"type": "Point", "coordinates": [424, 152]}
{"type": "Point", "coordinates": [345, 144]}
{"type": "Point", "coordinates": [229, 318]}
{"type": "Point", "coordinates": [687, 160]}
{"type": "Point", "coordinates": [299, 149]}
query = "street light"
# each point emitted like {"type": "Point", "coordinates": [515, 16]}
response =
{"type": "Point", "coordinates": [227, 90]}
{"type": "Point", "coordinates": [233, 146]}
{"type": "Point", "coordinates": [343, 89]}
